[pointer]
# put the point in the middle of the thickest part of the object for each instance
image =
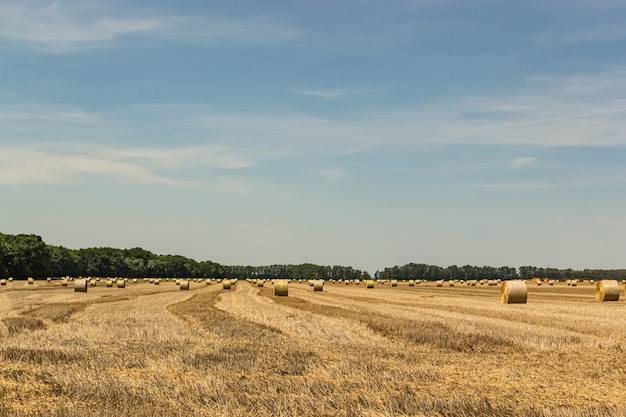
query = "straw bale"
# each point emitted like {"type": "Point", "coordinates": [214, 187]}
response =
{"type": "Point", "coordinates": [80, 285]}
{"type": "Point", "coordinates": [607, 290]}
{"type": "Point", "coordinates": [281, 288]}
{"type": "Point", "coordinates": [514, 292]}
{"type": "Point", "coordinates": [226, 284]}
{"type": "Point", "coordinates": [318, 285]}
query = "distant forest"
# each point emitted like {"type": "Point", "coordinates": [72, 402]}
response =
{"type": "Point", "coordinates": [23, 256]}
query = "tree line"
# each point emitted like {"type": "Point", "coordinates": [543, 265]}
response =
{"type": "Point", "coordinates": [23, 256]}
{"type": "Point", "coordinates": [469, 272]}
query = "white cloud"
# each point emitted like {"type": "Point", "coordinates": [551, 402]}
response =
{"type": "Point", "coordinates": [522, 161]}
{"type": "Point", "coordinates": [20, 166]}
{"type": "Point", "coordinates": [62, 27]}
{"type": "Point", "coordinates": [333, 174]}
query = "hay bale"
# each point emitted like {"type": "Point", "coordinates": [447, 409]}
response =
{"type": "Point", "coordinates": [394, 282]}
{"type": "Point", "coordinates": [226, 284]}
{"type": "Point", "coordinates": [260, 283]}
{"type": "Point", "coordinates": [121, 283]}
{"type": "Point", "coordinates": [157, 281]}
{"type": "Point", "coordinates": [3, 282]}
{"type": "Point", "coordinates": [178, 281]}
{"type": "Point", "coordinates": [369, 283]}
{"type": "Point", "coordinates": [207, 281]}
{"type": "Point", "coordinates": [607, 290]}
{"type": "Point", "coordinates": [135, 281]}
{"type": "Point", "coordinates": [440, 283]}
{"type": "Point", "coordinates": [31, 281]}
{"type": "Point", "coordinates": [49, 280]}
{"type": "Point", "coordinates": [451, 283]}
{"type": "Point", "coordinates": [64, 282]}
{"type": "Point", "coordinates": [92, 282]}
{"type": "Point", "coordinates": [109, 283]}
{"type": "Point", "coordinates": [80, 285]}
{"type": "Point", "coordinates": [281, 288]}
{"type": "Point", "coordinates": [514, 292]}
{"type": "Point", "coordinates": [184, 285]}
{"type": "Point", "coordinates": [411, 283]}
{"type": "Point", "coordinates": [318, 285]}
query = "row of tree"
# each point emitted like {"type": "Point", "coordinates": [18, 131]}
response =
{"type": "Point", "coordinates": [468, 272]}
{"type": "Point", "coordinates": [24, 256]}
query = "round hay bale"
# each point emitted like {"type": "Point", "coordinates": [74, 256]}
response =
{"type": "Point", "coordinates": [394, 282]}
{"type": "Point", "coordinates": [121, 283]}
{"type": "Point", "coordinates": [157, 281]}
{"type": "Point", "coordinates": [92, 282]}
{"type": "Point", "coordinates": [440, 283]}
{"type": "Point", "coordinates": [135, 281]}
{"type": "Point", "coordinates": [369, 283]}
{"type": "Point", "coordinates": [451, 283]}
{"type": "Point", "coordinates": [514, 292]}
{"type": "Point", "coordinates": [318, 285]}
{"type": "Point", "coordinates": [178, 281]}
{"type": "Point", "coordinates": [49, 280]}
{"type": "Point", "coordinates": [184, 285]}
{"type": "Point", "coordinates": [109, 283]}
{"type": "Point", "coordinates": [207, 281]}
{"type": "Point", "coordinates": [411, 283]}
{"type": "Point", "coordinates": [311, 283]}
{"type": "Point", "coordinates": [281, 288]}
{"type": "Point", "coordinates": [10, 279]}
{"type": "Point", "coordinates": [64, 283]}
{"type": "Point", "coordinates": [574, 282]}
{"type": "Point", "coordinates": [3, 282]}
{"type": "Point", "coordinates": [607, 290]}
{"type": "Point", "coordinates": [80, 285]}
{"type": "Point", "coordinates": [226, 284]}
{"type": "Point", "coordinates": [31, 281]}
{"type": "Point", "coordinates": [260, 283]}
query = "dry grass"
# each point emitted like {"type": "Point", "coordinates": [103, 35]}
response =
{"type": "Point", "coordinates": [347, 351]}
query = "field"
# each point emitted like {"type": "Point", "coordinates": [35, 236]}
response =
{"type": "Point", "coordinates": [149, 350]}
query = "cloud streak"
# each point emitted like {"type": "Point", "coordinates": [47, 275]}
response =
{"type": "Point", "coordinates": [64, 27]}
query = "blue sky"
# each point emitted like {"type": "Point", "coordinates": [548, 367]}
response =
{"type": "Point", "coordinates": [365, 133]}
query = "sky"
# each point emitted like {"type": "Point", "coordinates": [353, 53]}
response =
{"type": "Point", "coordinates": [369, 133]}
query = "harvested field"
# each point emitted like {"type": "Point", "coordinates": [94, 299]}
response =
{"type": "Point", "coordinates": [423, 350]}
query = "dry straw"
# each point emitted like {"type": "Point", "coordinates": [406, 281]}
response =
{"type": "Point", "coordinates": [226, 284]}
{"type": "Point", "coordinates": [80, 285]}
{"type": "Point", "coordinates": [514, 292]}
{"type": "Point", "coordinates": [607, 290]}
{"type": "Point", "coordinates": [318, 285]}
{"type": "Point", "coordinates": [281, 288]}
{"type": "Point", "coordinates": [184, 285]}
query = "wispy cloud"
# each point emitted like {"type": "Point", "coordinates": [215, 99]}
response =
{"type": "Point", "coordinates": [331, 94]}
{"type": "Point", "coordinates": [522, 161]}
{"type": "Point", "coordinates": [20, 166]}
{"type": "Point", "coordinates": [62, 27]}
{"type": "Point", "coordinates": [333, 174]}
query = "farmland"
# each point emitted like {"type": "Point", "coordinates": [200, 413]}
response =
{"type": "Point", "coordinates": [148, 350]}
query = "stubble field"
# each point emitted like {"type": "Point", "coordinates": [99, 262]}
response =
{"type": "Point", "coordinates": [149, 350]}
